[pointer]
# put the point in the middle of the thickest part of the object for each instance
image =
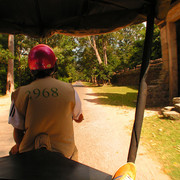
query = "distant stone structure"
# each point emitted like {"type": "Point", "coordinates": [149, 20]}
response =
{"type": "Point", "coordinates": [170, 43]}
{"type": "Point", "coordinates": [157, 88]}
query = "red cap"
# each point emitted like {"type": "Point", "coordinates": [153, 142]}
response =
{"type": "Point", "coordinates": [41, 57]}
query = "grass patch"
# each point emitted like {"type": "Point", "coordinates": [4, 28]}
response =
{"type": "Point", "coordinates": [116, 95]}
{"type": "Point", "coordinates": [162, 138]}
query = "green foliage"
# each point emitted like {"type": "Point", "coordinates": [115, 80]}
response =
{"type": "Point", "coordinates": [63, 48]}
{"type": "Point", "coordinates": [3, 75]}
{"type": "Point", "coordinates": [4, 41]}
{"type": "Point", "coordinates": [130, 46]}
{"type": "Point", "coordinates": [3, 63]}
{"type": "Point", "coordinates": [22, 75]}
{"type": "Point", "coordinates": [156, 48]}
{"type": "Point", "coordinates": [103, 73]}
{"type": "Point", "coordinates": [136, 50]}
{"type": "Point", "coordinates": [124, 49]}
{"type": "Point", "coordinates": [76, 56]}
{"type": "Point", "coordinates": [66, 59]}
{"type": "Point", "coordinates": [5, 54]}
{"type": "Point", "coordinates": [86, 59]}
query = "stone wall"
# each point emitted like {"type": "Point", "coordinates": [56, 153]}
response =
{"type": "Point", "coordinates": [157, 81]}
{"type": "Point", "coordinates": [169, 28]}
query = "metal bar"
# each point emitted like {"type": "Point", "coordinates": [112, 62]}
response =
{"type": "Point", "coordinates": [142, 92]}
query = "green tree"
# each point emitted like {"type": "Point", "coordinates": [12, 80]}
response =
{"type": "Point", "coordinates": [77, 58]}
{"type": "Point", "coordinates": [23, 44]}
{"type": "Point", "coordinates": [86, 60]}
{"type": "Point", "coordinates": [136, 50]}
{"type": "Point", "coordinates": [93, 58]}
{"type": "Point", "coordinates": [122, 49]}
{"type": "Point", "coordinates": [63, 47]}
{"type": "Point", "coordinates": [156, 48]}
{"type": "Point", "coordinates": [126, 39]}
{"type": "Point", "coordinates": [66, 55]}
{"type": "Point", "coordinates": [5, 54]}
{"type": "Point", "coordinates": [4, 41]}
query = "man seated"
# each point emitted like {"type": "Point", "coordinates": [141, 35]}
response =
{"type": "Point", "coordinates": [43, 111]}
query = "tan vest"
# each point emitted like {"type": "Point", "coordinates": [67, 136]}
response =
{"type": "Point", "coordinates": [47, 105]}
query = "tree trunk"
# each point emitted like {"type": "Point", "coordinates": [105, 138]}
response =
{"type": "Point", "coordinates": [105, 52]}
{"type": "Point", "coordinates": [95, 80]}
{"type": "Point", "coordinates": [93, 44]}
{"type": "Point", "coordinates": [19, 67]}
{"type": "Point", "coordinates": [10, 72]}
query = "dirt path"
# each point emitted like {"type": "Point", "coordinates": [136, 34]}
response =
{"type": "Point", "coordinates": [6, 140]}
{"type": "Point", "coordinates": [102, 138]}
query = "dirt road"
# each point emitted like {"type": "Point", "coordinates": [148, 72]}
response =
{"type": "Point", "coordinates": [102, 138]}
{"type": "Point", "coordinates": [6, 140]}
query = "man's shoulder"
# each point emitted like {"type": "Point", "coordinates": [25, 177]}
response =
{"type": "Point", "coordinates": [19, 92]}
{"type": "Point", "coordinates": [22, 88]}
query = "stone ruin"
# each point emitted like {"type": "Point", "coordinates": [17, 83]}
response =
{"type": "Point", "coordinates": [172, 112]}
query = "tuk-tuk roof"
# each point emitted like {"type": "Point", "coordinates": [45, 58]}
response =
{"type": "Point", "coordinates": [40, 18]}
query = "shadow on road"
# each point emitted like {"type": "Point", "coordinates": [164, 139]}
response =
{"type": "Point", "coordinates": [114, 99]}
